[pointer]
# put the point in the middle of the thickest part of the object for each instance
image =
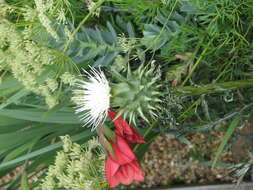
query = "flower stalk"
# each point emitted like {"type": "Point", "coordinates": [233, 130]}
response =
{"type": "Point", "coordinates": [91, 12]}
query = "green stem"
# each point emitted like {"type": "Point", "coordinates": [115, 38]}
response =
{"type": "Point", "coordinates": [146, 133]}
{"type": "Point", "coordinates": [98, 4]}
{"type": "Point", "coordinates": [195, 65]}
{"type": "Point", "coordinates": [212, 88]}
{"type": "Point", "coordinates": [214, 125]}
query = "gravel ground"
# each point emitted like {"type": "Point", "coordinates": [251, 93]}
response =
{"type": "Point", "coordinates": [170, 161]}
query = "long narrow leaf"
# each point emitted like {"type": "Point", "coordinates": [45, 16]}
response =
{"type": "Point", "coordinates": [8, 121]}
{"type": "Point", "coordinates": [229, 132]}
{"type": "Point", "coordinates": [24, 182]}
{"type": "Point", "coordinates": [44, 150]}
{"type": "Point", "coordinates": [37, 116]}
{"type": "Point", "coordinates": [21, 93]}
{"type": "Point", "coordinates": [19, 150]}
{"type": "Point", "coordinates": [20, 138]}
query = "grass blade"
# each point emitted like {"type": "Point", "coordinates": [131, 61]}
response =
{"type": "Point", "coordinates": [229, 132]}
{"type": "Point", "coordinates": [21, 93]}
{"type": "Point", "coordinates": [24, 182]}
{"type": "Point", "coordinates": [85, 134]}
{"type": "Point", "coordinates": [38, 116]}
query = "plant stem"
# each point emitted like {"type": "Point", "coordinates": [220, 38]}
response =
{"type": "Point", "coordinates": [146, 133]}
{"type": "Point", "coordinates": [98, 4]}
{"type": "Point", "coordinates": [214, 125]}
{"type": "Point", "coordinates": [195, 65]}
{"type": "Point", "coordinates": [212, 88]}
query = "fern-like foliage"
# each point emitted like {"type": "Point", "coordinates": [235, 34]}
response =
{"type": "Point", "coordinates": [165, 30]}
{"type": "Point", "coordinates": [89, 45]}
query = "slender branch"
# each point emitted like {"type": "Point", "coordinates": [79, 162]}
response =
{"type": "Point", "coordinates": [194, 66]}
{"type": "Point", "coordinates": [212, 88]}
{"type": "Point", "coordinates": [211, 125]}
{"type": "Point", "coordinates": [153, 125]}
{"type": "Point", "coordinates": [98, 4]}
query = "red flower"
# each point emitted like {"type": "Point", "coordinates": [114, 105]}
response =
{"type": "Point", "coordinates": [122, 167]}
{"type": "Point", "coordinates": [122, 152]}
{"type": "Point", "coordinates": [122, 174]}
{"type": "Point", "coordinates": [125, 130]}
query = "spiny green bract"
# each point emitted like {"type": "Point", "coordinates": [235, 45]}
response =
{"type": "Point", "coordinates": [137, 94]}
{"type": "Point", "coordinates": [77, 168]}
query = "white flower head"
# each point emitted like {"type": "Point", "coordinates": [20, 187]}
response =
{"type": "Point", "coordinates": [93, 98]}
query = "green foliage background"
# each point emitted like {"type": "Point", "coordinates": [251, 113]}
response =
{"type": "Point", "coordinates": [202, 47]}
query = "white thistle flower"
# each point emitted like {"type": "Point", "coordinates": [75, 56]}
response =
{"type": "Point", "coordinates": [93, 98]}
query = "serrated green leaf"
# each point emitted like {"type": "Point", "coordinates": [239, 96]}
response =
{"type": "Point", "coordinates": [130, 30]}
{"type": "Point", "coordinates": [105, 60]}
{"type": "Point", "coordinates": [154, 37]}
{"type": "Point", "coordinates": [113, 32]}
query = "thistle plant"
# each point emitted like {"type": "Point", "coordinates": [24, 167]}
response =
{"type": "Point", "coordinates": [137, 94]}
{"type": "Point", "coordinates": [76, 168]}
{"type": "Point", "coordinates": [93, 102]}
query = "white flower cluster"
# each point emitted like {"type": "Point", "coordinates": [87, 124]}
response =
{"type": "Point", "coordinates": [68, 78]}
{"type": "Point", "coordinates": [73, 169]}
{"type": "Point", "coordinates": [27, 61]}
{"type": "Point", "coordinates": [125, 43]}
{"type": "Point", "coordinates": [52, 84]}
{"type": "Point", "coordinates": [43, 7]}
{"type": "Point", "coordinates": [30, 14]}
{"type": "Point", "coordinates": [5, 8]}
{"type": "Point", "coordinates": [164, 2]}
{"type": "Point", "coordinates": [91, 5]}
{"type": "Point", "coordinates": [61, 15]}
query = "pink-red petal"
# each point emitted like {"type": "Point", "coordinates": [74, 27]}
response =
{"type": "Point", "coordinates": [138, 174]}
{"type": "Point", "coordinates": [128, 173]}
{"type": "Point", "coordinates": [111, 167]}
{"type": "Point", "coordinates": [122, 152]}
{"type": "Point", "coordinates": [125, 130]}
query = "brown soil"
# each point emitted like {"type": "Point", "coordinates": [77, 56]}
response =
{"type": "Point", "coordinates": [170, 161]}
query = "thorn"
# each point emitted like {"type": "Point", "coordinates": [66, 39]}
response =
{"type": "Point", "coordinates": [142, 115]}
